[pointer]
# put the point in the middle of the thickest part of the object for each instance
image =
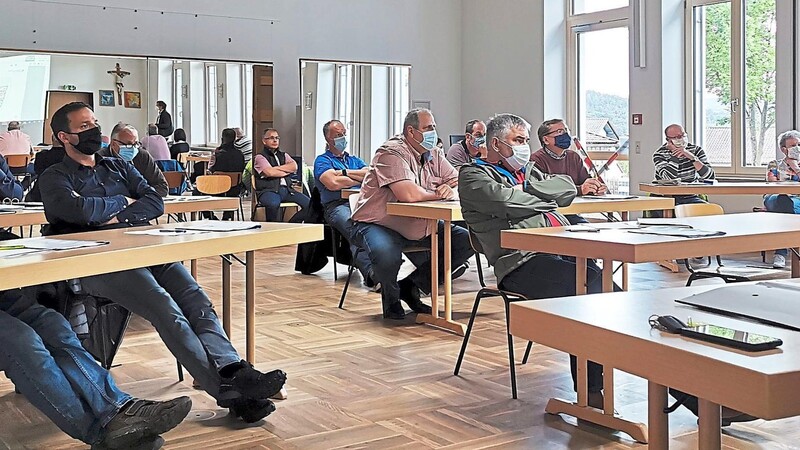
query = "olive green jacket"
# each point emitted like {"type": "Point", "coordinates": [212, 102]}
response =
{"type": "Point", "coordinates": [489, 204]}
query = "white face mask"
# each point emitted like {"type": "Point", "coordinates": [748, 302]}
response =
{"type": "Point", "coordinates": [793, 152]}
{"type": "Point", "coordinates": [520, 156]}
{"type": "Point", "coordinates": [680, 142]}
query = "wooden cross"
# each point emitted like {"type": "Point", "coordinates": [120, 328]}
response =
{"type": "Point", "coordinates": [119, 74]}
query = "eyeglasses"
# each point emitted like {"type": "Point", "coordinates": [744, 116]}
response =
{"type": "Point", "coordinates": [273, 138]}
{"type": "Point", "coordinates": [682, 136]}
{"type": "Point", "coordinates": [558, 132]}
{"type": "Point", "coordinates": [137, 144]}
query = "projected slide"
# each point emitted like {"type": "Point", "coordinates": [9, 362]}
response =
{"type": "Point", "coordinates": [24, 79]}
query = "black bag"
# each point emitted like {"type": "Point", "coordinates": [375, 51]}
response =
{"type": "Point", "coordinates": [313, 256]}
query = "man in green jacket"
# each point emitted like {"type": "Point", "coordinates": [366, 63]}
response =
{"type": "Point", "coordinates": [506, 191]}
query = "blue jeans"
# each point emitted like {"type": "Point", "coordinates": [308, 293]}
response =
{"type": "Point", "coordinates": [169, 298]}
{"type": "Point", "coordinates": [337, 215]}
{"type": "Point", "coordinates": [47, 364]}
{"type": "Point", "coordinates": [272, 201]}
{"type": "Point", "coordinates": [548, 276]}
{"type": "Point", "coordinates": [385, 249]}
{"type": "Point", "coordinates": [785, 204]}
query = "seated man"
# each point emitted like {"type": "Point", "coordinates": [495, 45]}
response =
{"type": "Point", "coordinates": [406, 168]}
{"type": "Point", "coordinates": [556, 158]}
{"type": "Point", "coordinates": [506, 191]}
{"type": "Point", "coordinates": [9, 186]}
{"type": "Point", "coordinates": [46, 363]}
{"type": "Point", "coordinates": [784, 169]}
{"type": "Point", "coordinates": [335, 170]}
{"type": "Point", "coordinates": [125, 144]}
{"type": "Point", "coordinates": [678, 159]}
{"type": "Point", "coordinates": [472, 146]}
{"type": "Point", "coordinates": [273, 169]}
{"type": "Point", "coordinates": [89, 192]}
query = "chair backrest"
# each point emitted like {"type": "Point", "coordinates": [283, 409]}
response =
{"type": "Point", "coordinates": [174, 179]}
{"type": "Point", "coordinates": [474, 242]}
{"type": "Point", "coordinates": [236, 177]}
{"type": "Point", "coordinates": [213, 184]}
{"type": "Point", "coordinates": [698, 209]}
{"type": "Point", "coordinates": [18, 161]}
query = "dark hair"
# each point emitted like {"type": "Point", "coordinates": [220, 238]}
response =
{"type": "Point", "coordinates": [268, 130]}
{"type": "Point", "coordinates": [161, 104]}
{"type": "Point", "coordinates": [228, 138]}
{"type": "Point", "coordinates": [327, 127]}
{"type": "Point", "coordinates": [60, 120]}
{"type": "Point", "coordinates": [179, 135]}
{"type": "Point", "coordinates": [471, 125]}
{"type": "Point", "coordinates": [544, 128]}
{"type": "Point", "coordinates": [412, 118]}
{"type": "Point", "coordinates": [152, 130]}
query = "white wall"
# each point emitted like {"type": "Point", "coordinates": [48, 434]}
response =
{"type": "Point", "coordinates": [88, 74]}
{"type": "Point", "coordinates": [423, 33]}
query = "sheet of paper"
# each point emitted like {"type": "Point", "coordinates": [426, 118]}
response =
{"type": "Point", "coordinates": [165, 232]}
{"type": "Point", "coordinates": [677, 232]}
{"type": "Point", "coordinates": [17, 252]}
{"type": "Point", "coordinates": [609, 197]}
{"type": "Point", "coordinates": [43, 243]}
{"type": "Point", "coordinates": [650, 222]}
{"type": "Point", "coordinates": [219, 225]}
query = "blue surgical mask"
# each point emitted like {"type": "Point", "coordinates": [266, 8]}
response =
{"type": "Point", "coordinates": [563, 141]}
{"type": "Point", "coordinates": [429, 139]}
{"type": "Point", "coordinates": [479, 141]}
{"type": "Point", "coordinates": [340, 143]}
{"type": "Point", "coordinates": [128, 152]}
{"type": "Point", "coordinates": [104, 145]}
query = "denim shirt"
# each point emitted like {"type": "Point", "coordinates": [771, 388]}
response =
{"type": "Point", "coordinates": [79, 198]}
{"type": "Point", "coordinates": [327, 161]}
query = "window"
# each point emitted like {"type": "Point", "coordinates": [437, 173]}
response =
{"type": "Point", "coordinates": [732, 77]}
{"type": "Point", "coordinates": [178, 94]}
{"type": "Point", "coordinates": [598, 75]}
{"type": "Point", "coordinates": [399, 96]}
{"type": "Point", "coordinates": [590, 6]}
{"type": "Point", "coordinates": [344, 94]}
{"type": "Point", "coordinates": [212, 129]}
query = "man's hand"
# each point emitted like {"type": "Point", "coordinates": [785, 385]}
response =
{"type": "Point", "coordinates": [592, 186]}
{"type": "Point", "coordinates": [445, 192]}
{"type": "Point", "coordinates": [129, 200]}
{"type": "Point", "coordinates": [682, 153]}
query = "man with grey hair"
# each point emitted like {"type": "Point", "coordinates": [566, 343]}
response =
{"type": "Point", "coordinates": [125, 144]}
{"type": "Point", "coordinates": [507, 191]}
{"type": "Point", "coordinates": [784, 169]}
{"type": "Point", "coordinates": [679, 159]}
{"type": "Point", "coordinates": [243, 144]}
{"type": "Point", "coordinates": [407, 168]}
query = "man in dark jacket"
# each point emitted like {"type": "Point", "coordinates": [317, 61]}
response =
{"type": "Point", "coordinates": [164, 120]}
{"type": "Point", "coordinates": [272, 169]}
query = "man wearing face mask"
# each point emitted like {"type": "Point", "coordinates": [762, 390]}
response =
{"type": "Point", "coordinates": [125, 144]}
{"type": "Point", "coordinates": [88, 192]}
{"type": "Point", "coordinates": [472, 146]}
{"type": "Point", "coordinates": [335, 170]}
{"type": "Point", "coordinates": [507, 191]}
{"type": "Point", "coordinates": [406, 168]}
{"type": "Point", "coordinates": [679, 159]}
{"type": "Point", "coordinates": [784, 169]}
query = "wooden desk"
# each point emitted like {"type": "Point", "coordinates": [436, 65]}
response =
{"type": "Point", "coordinates": [748, 232]}
{"type": "Point", "coordinates": [451, 211]}
{"type": "Point", "coordinates": [346, 193]}
{"type": "Point", "coordinates": [612, 329]}
{"type": "Point", "coordinates": [749, 188]}
{"type": "Point", "coordinates": [127, 251]}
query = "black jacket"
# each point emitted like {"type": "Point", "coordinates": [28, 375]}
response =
{"type": "Point", "coordinates": [271, 184]}
{"type": "Point", "coordinates": [164, 124]}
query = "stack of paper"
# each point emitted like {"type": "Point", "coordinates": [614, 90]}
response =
{"type": "Point", "coordinates": [219, 225]}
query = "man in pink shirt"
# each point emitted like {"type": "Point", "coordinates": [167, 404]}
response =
{"type": "Point", "coordinates": [406, 168]}
{"type": "Point", "coordinates": [15, 142]}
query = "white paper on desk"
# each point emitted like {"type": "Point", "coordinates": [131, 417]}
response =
{"type": "Point", "coordinates": [165, 232]}
{"type": "Point", "coordinates": [14, 207]}
{"type": "Point", "coordinates": [42, 243]}
{"type": "Point", "coordinates": [656, 222]}
{"type": "Point", "coordinates": [219, 225]}
{"type": "Point", "coordinates": [185, 198]}
{"type": "Point", "coordinates": [608, 197]}
{"type": "Point", "coordinates": [17, 252]}
{"type": "Point", "coordinates": [677, 232]}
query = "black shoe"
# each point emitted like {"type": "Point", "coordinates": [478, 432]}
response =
{"type": "Point", "coordinates": [409, 293]}
{"type": "Point", "coordinates": [146, 444]}
{"type": "Point", "coordinates": [252, 410]}
{"type": "Point", "coordinates": [250, 383]}
{"type": "Point", "coordinates": [395, 312]}
{"type": "Point", "coordinates": [143, 420]}
{"type": "Point", "coordinates": [460, 270]}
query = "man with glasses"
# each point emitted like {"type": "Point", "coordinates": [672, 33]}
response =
{"type": "Point", "coordinates": [472, 146]}
{"type": "Point", "coordinates": [679, 159]}
{"type": "Point", "coordinates": [125, 144]}
{"type": "Point", "coordinates": [273, 169]}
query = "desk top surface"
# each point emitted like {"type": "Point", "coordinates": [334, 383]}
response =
{"type": "Point", "coordinates": [726, 188]}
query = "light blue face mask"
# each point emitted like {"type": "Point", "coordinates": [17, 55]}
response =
{"type": "Point", "coordinates": [429, 139]}
{"type": "Point", "coordinates": [479, 141]}
{"type": "Point", "coordinates": [128, 152]}
{"type": "Point", "coordinates": [340, 143]}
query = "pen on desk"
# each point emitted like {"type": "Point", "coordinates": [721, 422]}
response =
{"type": "Point", "coordinates": [12, 247]}
{"type": "Point", "coordinates": [172, 231]}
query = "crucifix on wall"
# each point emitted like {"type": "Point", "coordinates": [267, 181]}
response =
{"type": "Point", "coordinates": [119, 74]}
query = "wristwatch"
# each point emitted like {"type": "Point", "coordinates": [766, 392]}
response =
{"type": "Point", "coordinates": [344, 173]}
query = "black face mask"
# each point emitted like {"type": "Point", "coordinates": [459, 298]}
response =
{"type": "Point", "coordinates": [89, 141]}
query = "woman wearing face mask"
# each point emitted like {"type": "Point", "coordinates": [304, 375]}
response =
{"type": "Point", "coordinates": [785, 169]}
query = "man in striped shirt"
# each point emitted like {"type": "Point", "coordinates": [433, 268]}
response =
{"type": "Point", "coordinates": [678, 159]}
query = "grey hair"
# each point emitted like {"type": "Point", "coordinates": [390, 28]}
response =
{"type": "Point", "coordinates": [119, 127]}
{"type": "Point", "coordinates": [412, 118]}
{"type": "Point", "coordinates": [785, 136]}
{"type": "Point", "coordinates": [239, 132]}
{"type": "Point", "coordinates": [328, 126]}
{"type": "Point", "coordinates": [152, 130]}
{"type": "Point", "coordinates": [501, 124]}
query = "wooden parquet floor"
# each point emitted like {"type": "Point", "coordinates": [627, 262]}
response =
{"type": "Point", "coordinates": [356, 381]}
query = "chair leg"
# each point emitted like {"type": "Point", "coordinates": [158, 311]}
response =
{"type": "Point", "coordinates": [511, 363]}
{"type": "Point", "coordinates": [527, 352]}
{"type": "Point", "coordinates": [480, 269]}
{"type": "Point", "coordinates": [241, 208]}
{"type": "Point", "coordinates": [334, 240]}
{"type": "Point", "coordinates": [347, 282]}
{"type": "Point", "coordinates": [180, 371]}
{"type": "Point", "coordinates": [468, 332]}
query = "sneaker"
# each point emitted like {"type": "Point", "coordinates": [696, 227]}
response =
{"type": "Point", "coordinates": [146, 444]}
{"type": "Point", "coordinates": [778, 261]}
{"type": "Point", "coordinates": [395, 311]}
{"type": "Point", "coordinates": [252, 410]}
{"type": "Point", "coordinates": [460, 270]}
{"type": "Point", "coordinates": [143, 420]}
{"type": "Point", "coordinates": [370, 283]}
{"type": "Point", "coordinates": [250, 383]}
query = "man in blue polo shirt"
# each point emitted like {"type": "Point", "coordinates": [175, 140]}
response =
{"type": "Point", "coordinates": [335, 170]}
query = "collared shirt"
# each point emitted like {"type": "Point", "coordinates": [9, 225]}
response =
{"type": "Point", "coordinates": [15, 142]}
{"type": "Point", "coordinates": [397, 161]}
{"type": "Point", "coordinates": [458, 154]}
{"type": "Point", "coordinates": [260, 163]}
{"type": "Point", "coordinates": [570, 164]}
{"type": "Point", "coordinates": [328, 161]}
{"type": "Point", "coordinates": [146, 166]}
{"type": "Point", "coordinates": [80, 198]}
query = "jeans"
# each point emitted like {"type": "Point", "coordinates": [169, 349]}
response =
{"type": "Point", "coordinates": [548, 276]}
{"type": "Point", "coordinates": [272, 201]}
{"type": "Point", "coordinates": [169, 298]}
{"type": "Point", "coordinates": [679, 200]}
{"type": "Point", "coordinates": [785, 204]}
{"type": "Point", "coordinates": [47, 364]}
{"type": "Point", "coordinates": [337, 215]}
{"type": "Point", "coordinates": [385, 248]}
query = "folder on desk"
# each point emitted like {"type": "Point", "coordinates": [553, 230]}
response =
{"type": "Point", "coordinates": [42, 243]}
{"type": "Point", "coordinates": [219, 225]}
